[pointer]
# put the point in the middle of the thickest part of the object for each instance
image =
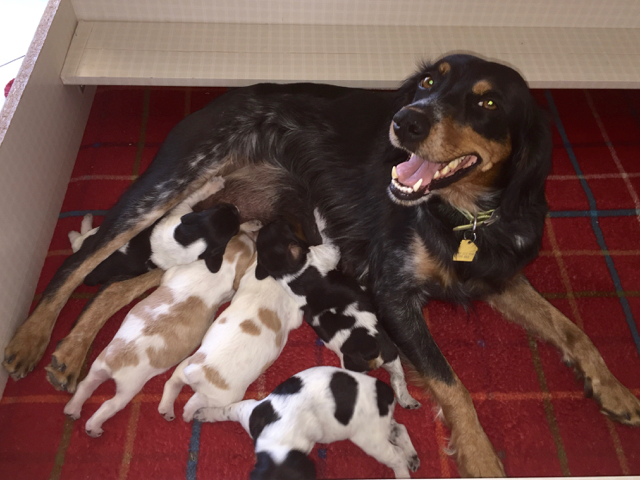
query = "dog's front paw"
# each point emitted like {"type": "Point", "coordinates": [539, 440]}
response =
{"type": "Point", "coordinates": [617, 402]}
{"type": "Point", "coordinates": [475, 455]}
{"type": "Point", "coordinates": [66, 364]}
{"type": "Point", "coordinates": [25, 350]}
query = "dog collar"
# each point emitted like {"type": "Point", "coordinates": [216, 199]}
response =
{"type": "Point", "coordinates": [481, 218]}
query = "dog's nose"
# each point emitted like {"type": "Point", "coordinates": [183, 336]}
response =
{"type": "Point", "coordinates": [410, 126]}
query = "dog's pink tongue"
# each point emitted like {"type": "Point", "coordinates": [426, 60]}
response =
{"type": "Point", "coordinates": [414, 169]}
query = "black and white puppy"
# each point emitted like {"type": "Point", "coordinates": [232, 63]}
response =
{"type": "Point", "coordinates": [335, 305]}
{"type": "Point", "coordinates": [181, 237]}
{"type": "Point", "coordinates": [321, 404]}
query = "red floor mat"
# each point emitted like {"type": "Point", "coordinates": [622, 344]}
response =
{"type": "Point", "coordinates": [529, 403]}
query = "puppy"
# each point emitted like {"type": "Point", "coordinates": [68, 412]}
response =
{"type": "Point", "coordinates": [163, 328]}
{"type": "Point", "coordinates": [246, 339]}
{"type": "Point", "coordinates": [321, 404]}
{"type": "Point", "coordinates": [339, 310]}
{"type": "Point", "coordinates": [180, 237]}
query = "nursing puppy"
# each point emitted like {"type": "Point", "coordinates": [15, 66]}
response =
{"type": "Point", "coordinates": [339, 310]}
{"type": "Point", "coordinates": [182, 236]}
{"type": "Point", "coordinates": [321, 404]}
{"type": "Point", "coordinates": [246, 339]}
{"type": "Point", "coordinates": [163, 328]}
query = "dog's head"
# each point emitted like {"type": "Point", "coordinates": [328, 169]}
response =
{"type": "Point", "coordinates": [216, 225]}
{"type": "Point", "coordinates": [472, 129]}
{"type": "Point", "coordinates": [295, 466]}
{"type": "Point", "coordinates": [280, 251]}
{"type": "Point", "coordinates": [361, 351]}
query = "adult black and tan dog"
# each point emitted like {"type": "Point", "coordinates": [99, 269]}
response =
{"type": "Point", "coordinates": [465, 138]}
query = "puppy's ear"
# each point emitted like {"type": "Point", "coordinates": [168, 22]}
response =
{"type": "Point", "coordinates": [213, 262]}
{"type": "Point", "coordinates": [261, 272]}
{"type": "Point", "coordinates": [295, 251]}
{"type": "Point", "coordinates": [529, 166]}
{"type": "Point", "coordinates": [189, 218]}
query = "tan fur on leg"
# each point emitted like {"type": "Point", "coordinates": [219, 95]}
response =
{"type": "Point", "coordinates": [67, 360]}
{"type": "Point", "coordinates": [521, 304]}
{"type": "Point", "coordinates": [469, 444]}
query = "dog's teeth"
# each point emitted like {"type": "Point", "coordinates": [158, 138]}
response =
{"type": "Point", "coordinates": [436, 175]}
{"type": "Point", "coordinates": [452, 165]}
{"type": "Point", "coordinates": [445, 170]}
{"type": "Point", "coordinates": [416, 185]}
{"type": "Point", "coordinates": [394, 173]}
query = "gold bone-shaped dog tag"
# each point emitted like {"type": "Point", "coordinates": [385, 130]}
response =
{"type": "Point", "coordinates": [466, 251]}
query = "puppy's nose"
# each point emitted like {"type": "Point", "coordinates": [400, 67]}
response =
{"type": "Point", "coordinates": [410, 126]}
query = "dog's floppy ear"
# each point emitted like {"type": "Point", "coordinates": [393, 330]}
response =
{"type": "Point", "coordinates": [261, 272]}
{"type": "Point", "coordinates": [295, 466]}
{"type": "Point", "coordinates": [529, 165]}
{"type": "Point", "coordinates": [189, 218]}
{"type": "Point", "coordinates": [213, 262]}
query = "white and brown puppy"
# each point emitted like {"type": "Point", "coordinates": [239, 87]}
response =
{"type": "Point", "coordinates": [246, 339]}
{"type": "Point", "coordinates": [339, 310]}
{"type": "Point", "coordinates": [164, 328]}
{"type": "Point", "coordinates": [180, 237]}
{"type": "Point", "coordinates": [321, 404]}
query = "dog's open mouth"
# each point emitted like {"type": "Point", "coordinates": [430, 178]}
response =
{"type": "Point", "coordinates": [417, 177]}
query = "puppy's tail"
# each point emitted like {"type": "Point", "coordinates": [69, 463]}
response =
{"type": "Point", "coordinates": [86, 230]}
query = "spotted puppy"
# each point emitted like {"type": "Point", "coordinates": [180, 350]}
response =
{"type": "Point", "coordinates": [321, 404]}
{"type": "Point", "coordinates": [163, 328]}
{"type": "Point", "coordinates": [246, 339]}
{"type": "Point", "coordinates": [339, 310]}
{"type": "Point", "coordinates": [180, 237]}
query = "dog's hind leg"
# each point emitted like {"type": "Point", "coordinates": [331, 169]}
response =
{"type": "Point", "coordinates": [521, 304]}
{"type": "Point", "coordinates": [173, 175]}
{"type": "Point", "coordinates": [400, 437]}
{"type": "Point", "coordinates": [401, 316]}
{"type": "Point", "coordinates": [172, 388]}
{"type": "Point", "coordinates": [384, 451]}
{"type": "Point", "coordinates": [69, 356]}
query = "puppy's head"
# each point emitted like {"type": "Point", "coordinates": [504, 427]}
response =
{"type": "Point", "coordinates": [216, 225]}
{"type": "Point", "coordinates": [470, 128]}
{"type": "Point", "coordinates": [361, 351]}
{"type": "Point", "coordinates": [295, 466]}
{"type": "Point", "coordinates": [280, 251]}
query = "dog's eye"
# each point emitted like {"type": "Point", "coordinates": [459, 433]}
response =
{"type": "Point", "coordinates": [488, 104]}
{"type": "Point", "coordinates": [427, 82]}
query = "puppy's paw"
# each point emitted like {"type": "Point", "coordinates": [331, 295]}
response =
{"type": "Point", "coordinates": [72, 411]}
{"type": "Point", "coordinates": [413, 463]}
{"type": "Point", "coordinates": [94, 432]}
{"type": "Point", "coordinates": [409, 402]}
{"type": "Point", "coordinates": [167, 414]}
{"type": "Point", "coordinates": [617, 402]}
{"type": "Point", "coordinates": [214, 185]}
